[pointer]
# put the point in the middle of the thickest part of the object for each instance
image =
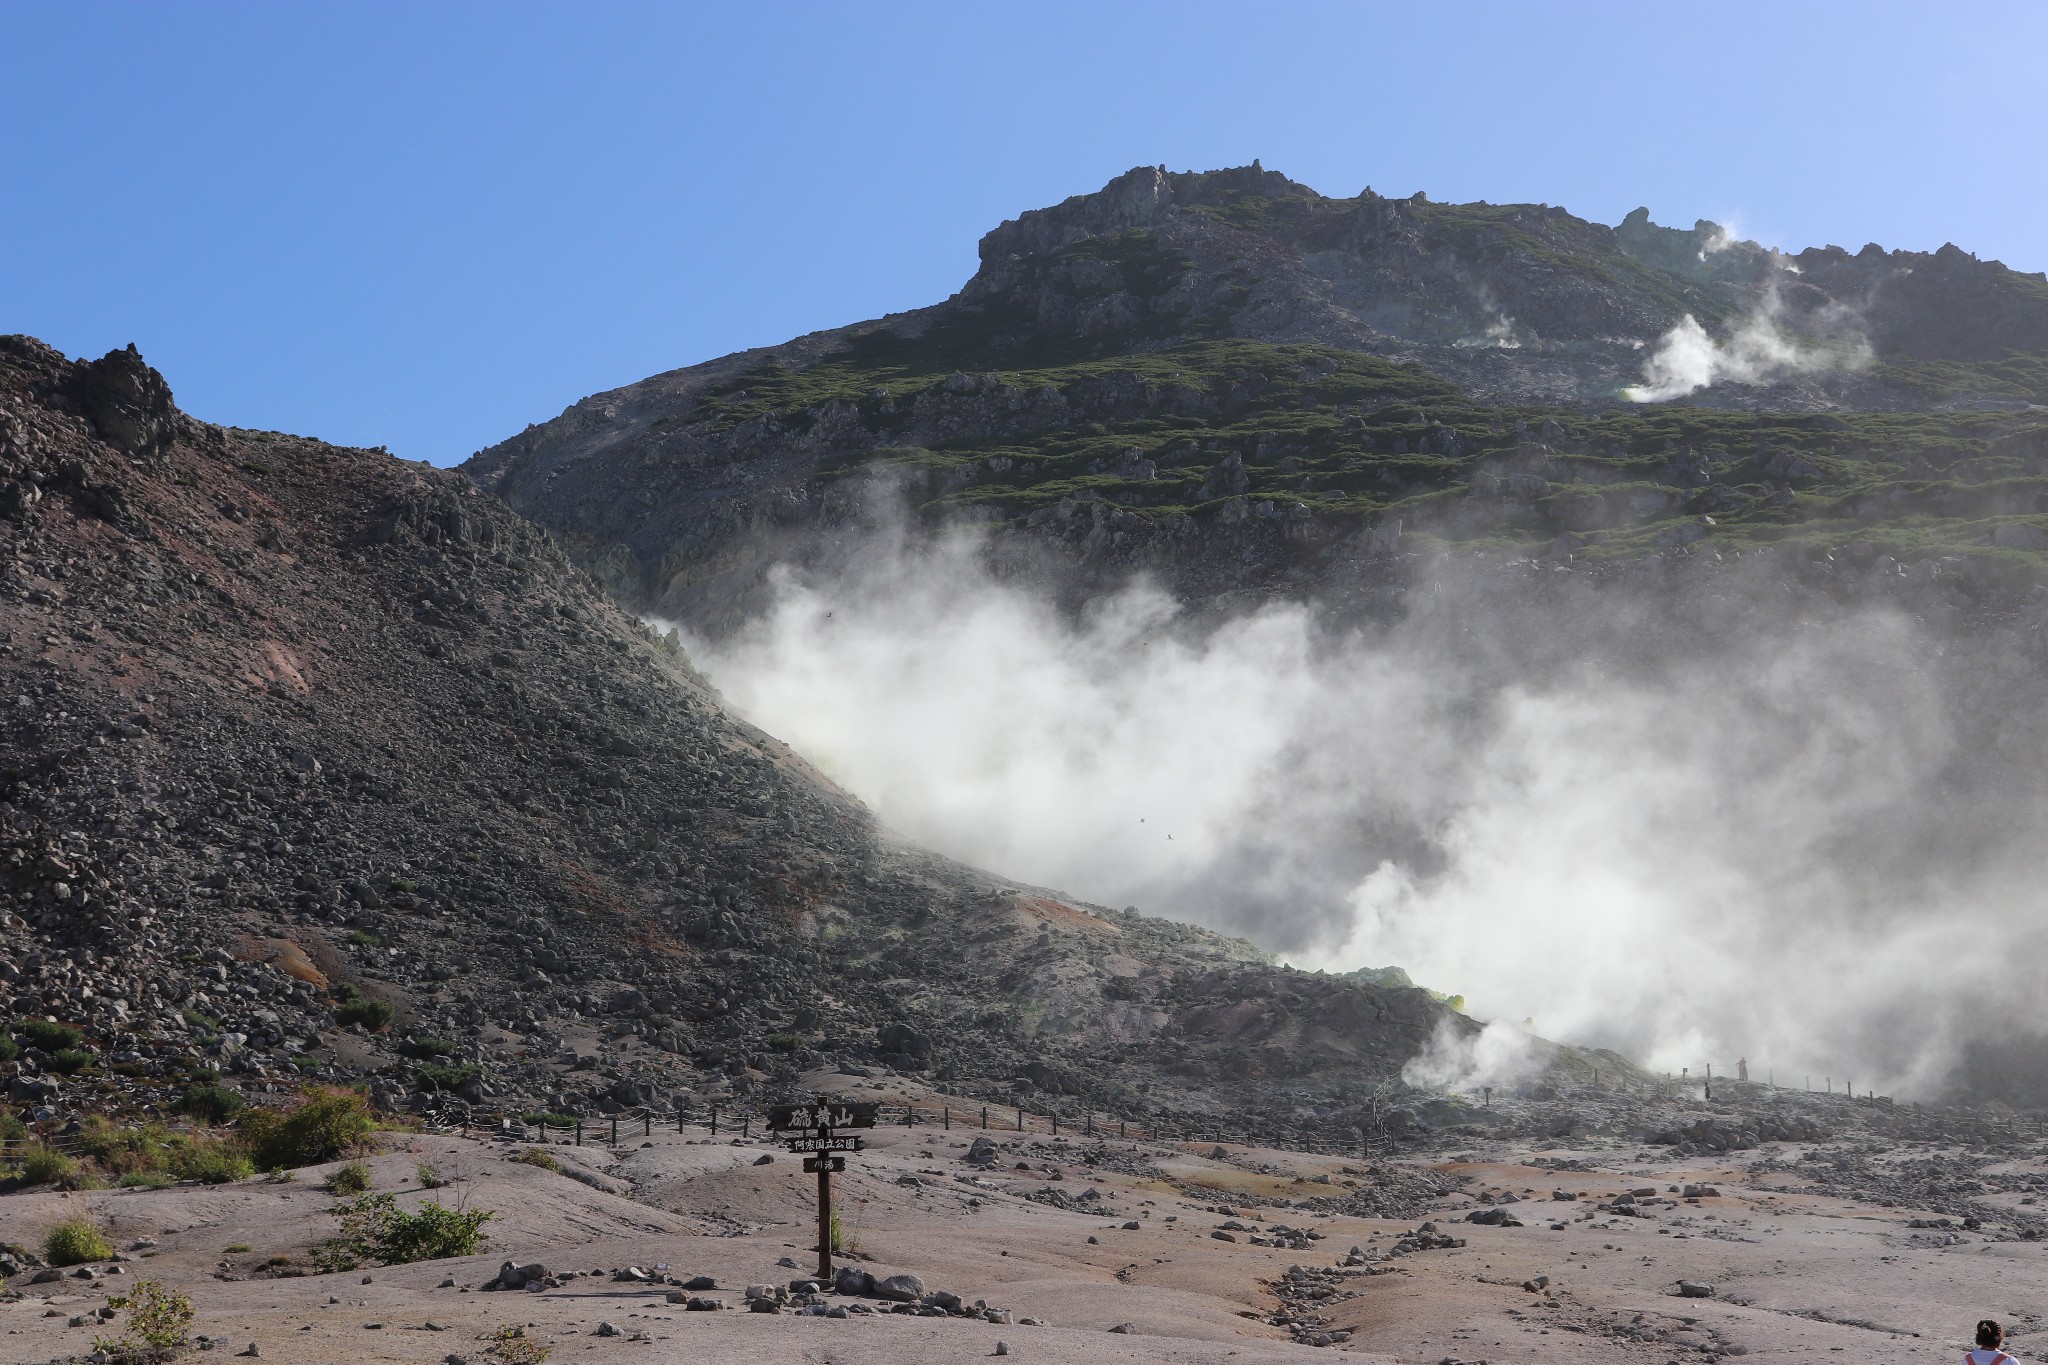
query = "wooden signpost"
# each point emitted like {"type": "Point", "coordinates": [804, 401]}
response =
{"type": "Point", "coordinates": [809, 1128]}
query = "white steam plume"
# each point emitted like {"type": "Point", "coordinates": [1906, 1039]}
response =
{"type": "Point", "coordinates": [1757, 350]}
{"type": "Point", "coordinates": [1724, 236]}
{"type": "Point", "coordinates": [1500, 1054]}
{"type": "Point", "coordinates": [1689, 838]}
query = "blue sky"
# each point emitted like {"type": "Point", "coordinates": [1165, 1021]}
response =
{"type": "Point", "coordinates": [424, 225]}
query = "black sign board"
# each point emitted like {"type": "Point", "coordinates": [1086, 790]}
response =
{"type": "Point", "coordinates": [809, 1128]}
{"type": "Point", "coordinates": [828, 1142]}
{"type": "Point", "coordinates": [794, 1118]}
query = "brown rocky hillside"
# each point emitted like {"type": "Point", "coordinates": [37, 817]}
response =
{"type": "Point", "coordinates": [296, 740]}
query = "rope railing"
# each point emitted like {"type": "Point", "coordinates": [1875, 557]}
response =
{"type": "Point", "coordinates": [747, 1120]}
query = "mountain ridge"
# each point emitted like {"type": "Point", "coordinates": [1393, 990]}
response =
{"type": "Point", "coordinates": [1142, 379]}
{"type": "Point", "coordinates": [291, 727]}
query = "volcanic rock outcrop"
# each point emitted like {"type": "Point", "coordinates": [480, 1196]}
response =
{"type": "Point", "coordinates": [1238, 386]}
{"type": "Point", "coordinates": [316, 764]}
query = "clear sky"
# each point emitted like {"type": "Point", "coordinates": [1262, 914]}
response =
{"type": "Point", "coordinates": [424, 225]}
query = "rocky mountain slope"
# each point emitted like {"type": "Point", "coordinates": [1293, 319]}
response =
{"type": "Point", "coordinates": [1237, 385]}
{"type": "Point", "coordinates": [316, 763]}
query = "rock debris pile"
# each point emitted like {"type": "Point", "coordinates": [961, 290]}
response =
{"type": "Point", "coordinates": [320, 765]}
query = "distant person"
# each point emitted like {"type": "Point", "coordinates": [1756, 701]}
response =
{"type": "Point", "coordinates": [1742, 1069]}
{"type": "Point", "coordinates": [1989, 1334]}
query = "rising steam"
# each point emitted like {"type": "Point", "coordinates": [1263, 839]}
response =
{"type": "Point", "coordinates": [1499, 1054]}
{"type": "Point", "coordinates": [1758, 349]}
{"type": "Point", "coordinates": [1684, 829]}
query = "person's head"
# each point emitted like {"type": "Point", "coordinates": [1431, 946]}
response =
{"type": "Point", "coordinates": [1989, 1333]}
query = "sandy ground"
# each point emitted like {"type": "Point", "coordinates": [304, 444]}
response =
{"type": "Point", "coordinates": [1795, 1276]}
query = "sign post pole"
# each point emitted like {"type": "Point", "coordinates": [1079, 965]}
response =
{"type": "Point", "coordinates": [825, 1222]}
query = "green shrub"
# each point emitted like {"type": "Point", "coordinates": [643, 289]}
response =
{"type": "Point", "coordinates": [374, 1015]}
{"type": "Point", "coordinates": [9, 1049]}
{"type": "Point", "coordinates": [210, 1161]}
{"type": "Point", "coordinates": [428, 1048]}
{"type": "Point", "coordinates": [12, 1129]}
{"type": "Point", "coordinates": [363, 940]}
{"type": "Point", "coordinates": [537, 1119]}
{"type": "Point", "coordinates": [124, 1151]}
{"type": "Point", "coordinates": [541, 1157]}
{"type": "Point", "coordinates": [158, 1319]}
{"type": "Point", "coordinates": [71, 1060]}
{"type": "Point", "coordinates": [375, 1229]}
{"type": "Point", "coordinates": [75, 1241]}
{"type": "Point", "coordinates": [327, 1122]}
{"type": "Point", "coordinates": [210, 1103]}
{"type": "Point", "coordinates": [785, 1042]}
{"type": "Point", "coordinates": [353, 1178]}
{"type": "Point", "coordinates": [449, 1077]}
{"type": "Point", "coordinates": [42, 1164]}
{"type": "Point", "coordinates": [201, 1020]}
{"type": "Point", "coordinates": [100, 1138]}
{"type": "Point", "coordinates": [51, 1037]}
{"type": "Point", "coordinates": [514, 1347]}
{"type": "Point", "coordinates": [430, 1178]}
{"type": "Point", "coordinates": [145, 1180]}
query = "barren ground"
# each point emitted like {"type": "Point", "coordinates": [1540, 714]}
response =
{"type": "Point", "coordinates": [1795, 1274]}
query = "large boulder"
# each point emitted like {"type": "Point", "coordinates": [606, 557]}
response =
{"type": "Point", "coordinates": [900, 1288]}
{"type": "Point", "coordinates": [1052, 1079]}
{"type": "Point", "coordinates": [633, 1093]}
{"type": "Point", "coordinates": [512, 1275]}
{"type": "Point", "coordinates": [904, 1040]}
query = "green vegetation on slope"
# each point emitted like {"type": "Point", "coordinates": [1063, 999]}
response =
{"type": "Point", "coordinates": [1340, 434]}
